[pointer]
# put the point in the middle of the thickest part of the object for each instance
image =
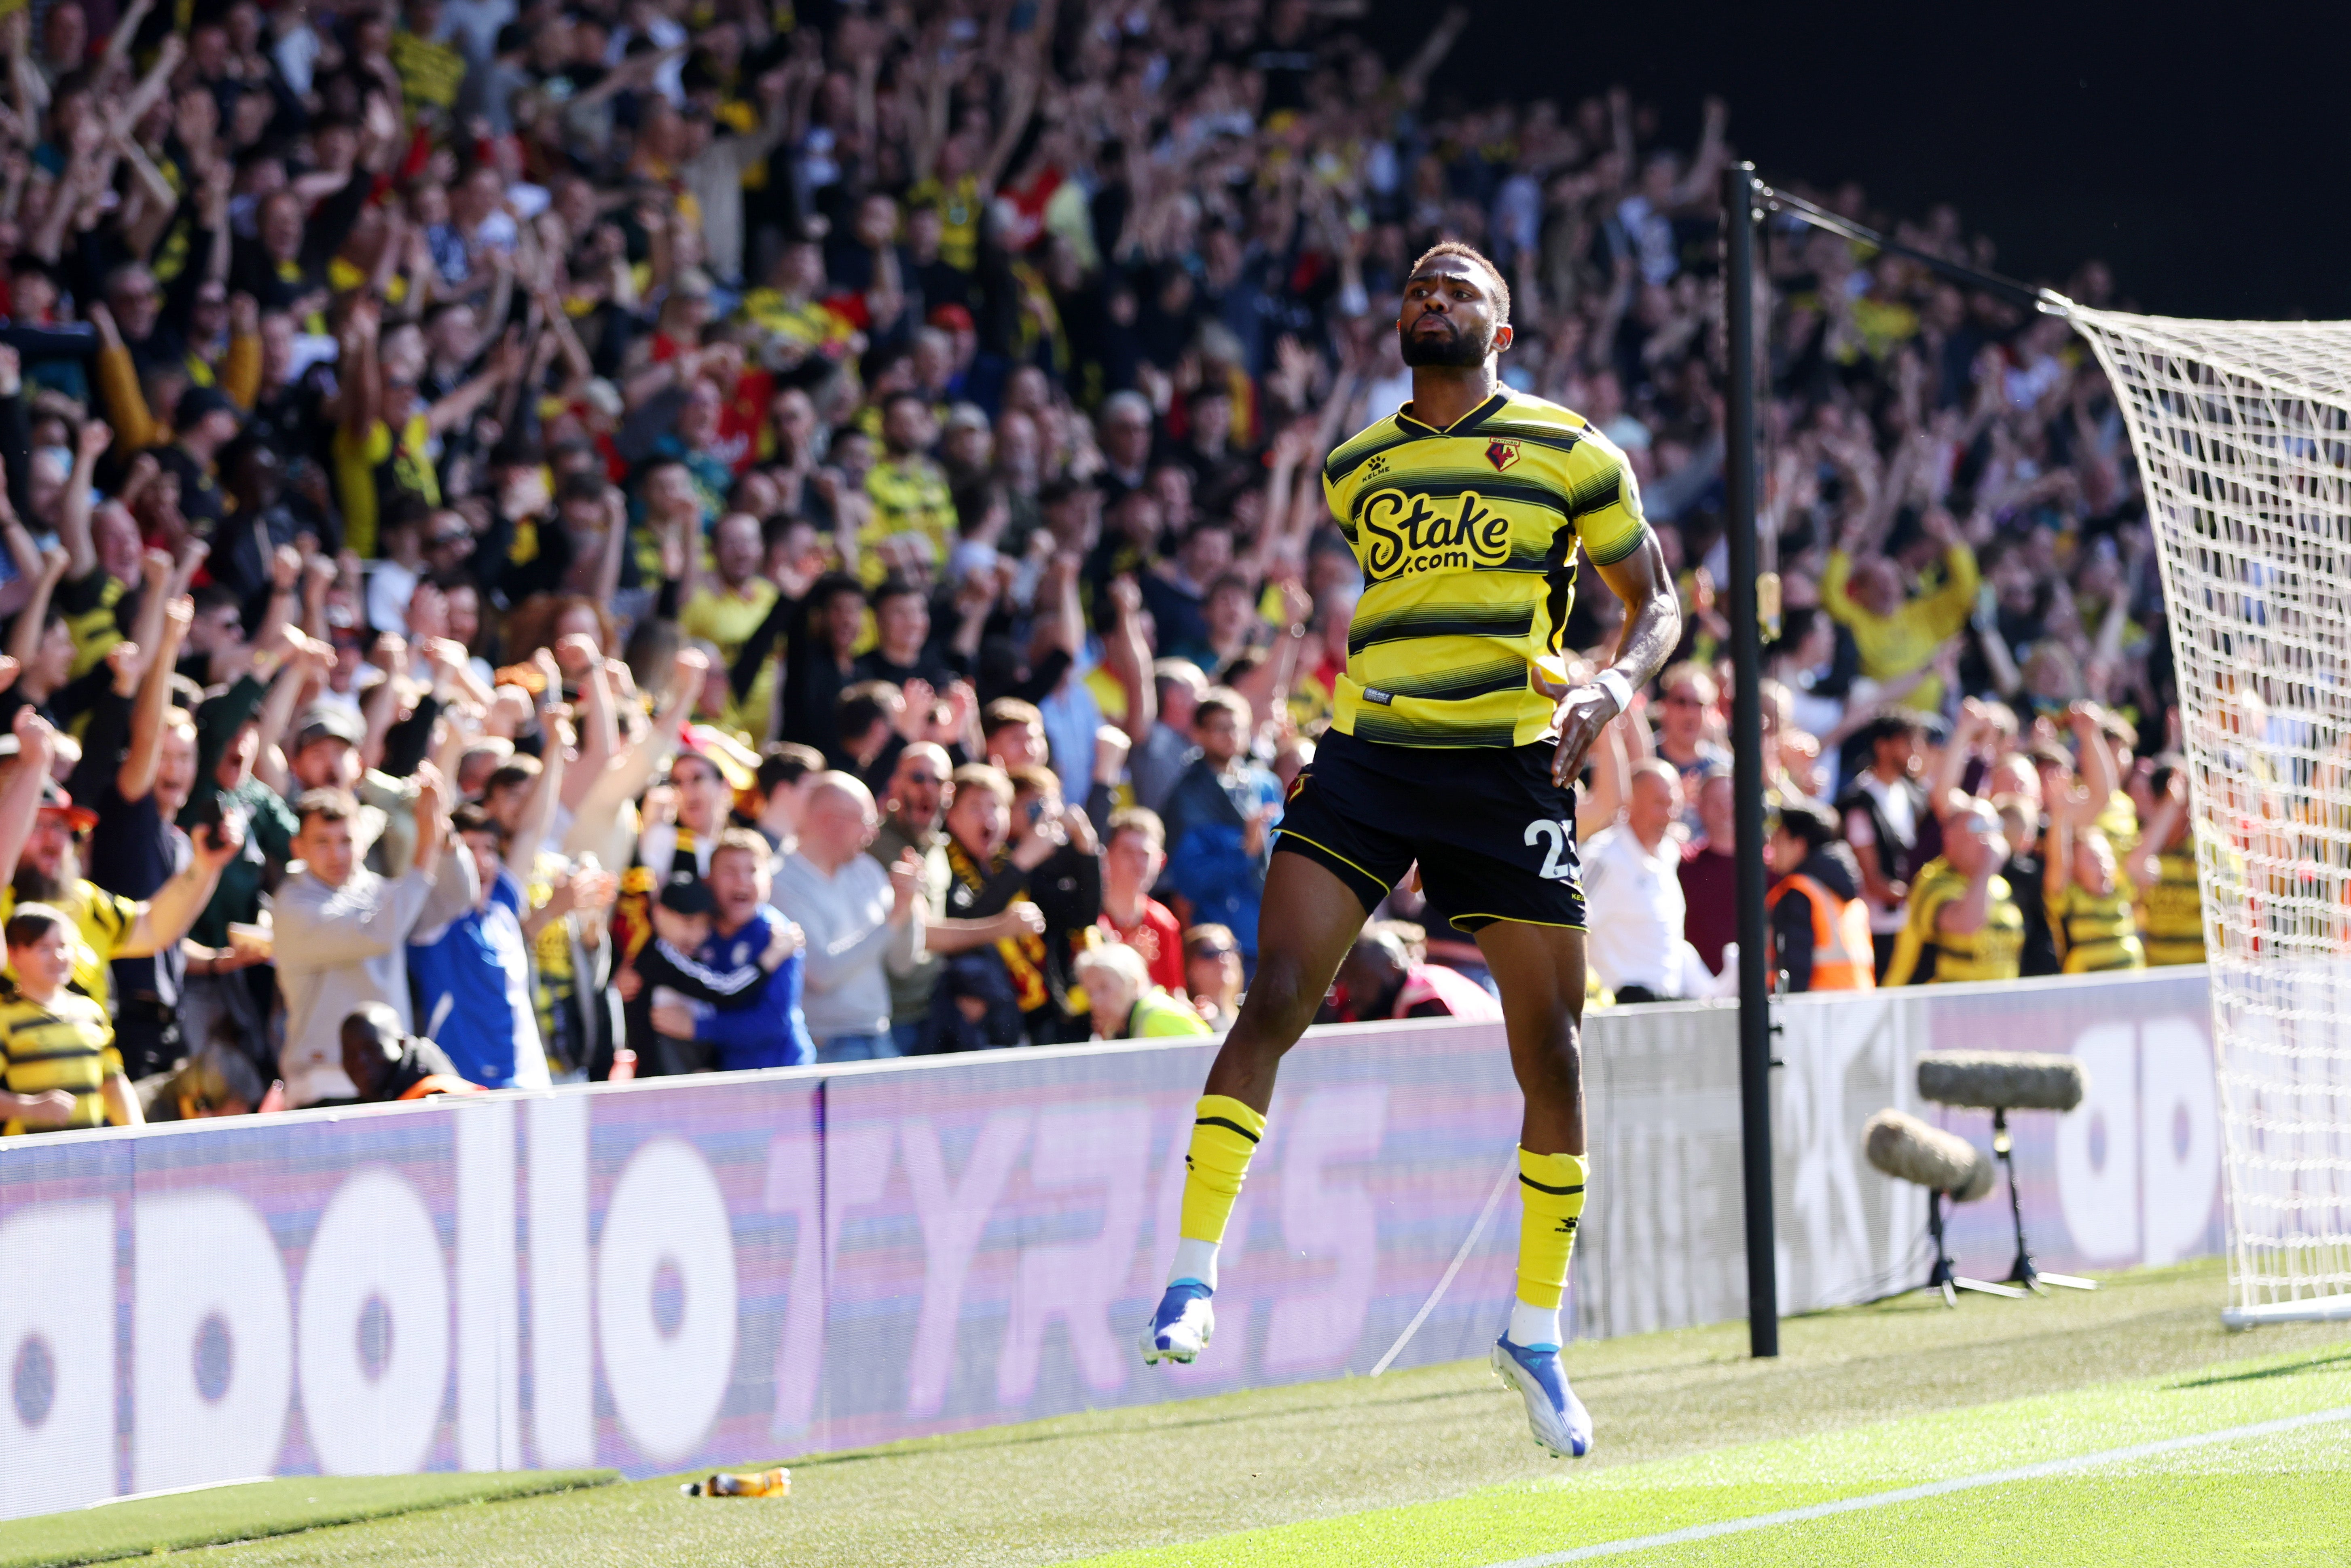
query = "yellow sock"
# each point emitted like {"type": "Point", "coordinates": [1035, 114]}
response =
{"type": "Point", "coordinates": [1224, 1135]}
{"type": "Point", "coordinates": [1550, 1199]}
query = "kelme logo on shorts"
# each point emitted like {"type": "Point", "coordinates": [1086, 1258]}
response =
{"type": "Point", "coordinates": [1403, 534]}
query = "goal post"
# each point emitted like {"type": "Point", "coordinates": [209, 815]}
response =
{"type": "Point", "coordinates": [2242, 432]}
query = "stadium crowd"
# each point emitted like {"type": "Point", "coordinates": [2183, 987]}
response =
{"type": "Point", "coordinates": [589, 539]}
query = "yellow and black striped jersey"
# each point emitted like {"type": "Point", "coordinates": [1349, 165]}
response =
{"type": "Point", "coordinates": [2172, 915]}
{"type": "Point", "coordinates": [1925, 954]}
{"type": "Point", "coordinates": [2096, 932]}
{"type": "Point", "coordinates": [102, 923]}
{"type": "Point", "coordinates": [1466, 538]}
{"type": "Point", "coordinates": [66, 1044]}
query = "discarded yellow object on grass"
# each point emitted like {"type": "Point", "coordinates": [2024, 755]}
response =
{"type": "Point", "coordinates": [776, 1482]}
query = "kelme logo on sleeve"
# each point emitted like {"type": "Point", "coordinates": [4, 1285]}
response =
{"type": "Point", "coordinates": [1403, 533]}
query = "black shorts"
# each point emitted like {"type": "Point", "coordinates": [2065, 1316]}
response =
{"type": "Point", "coordinates": [1494, 836]}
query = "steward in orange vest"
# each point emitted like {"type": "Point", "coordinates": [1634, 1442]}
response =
{"type": "Point", "coordinates": [1819, 926]}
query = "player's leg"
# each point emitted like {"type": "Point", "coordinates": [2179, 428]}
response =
{"type": "Point", "coordinates": [1309, 918]}
{"type": "Point", "coordinates": [1539, 971]}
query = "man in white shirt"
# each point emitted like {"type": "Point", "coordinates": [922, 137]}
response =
{"type": "Point", "coordinates": [857, 917]}
{"type": "Point", "coordinates": [1632, 894]}
{"type": "Point", "coordinates": [342, 931]}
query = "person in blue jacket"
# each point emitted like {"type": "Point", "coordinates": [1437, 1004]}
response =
{"type": "Point", "coordinates": [768, 1031]}
{"type": "Point", "coordinates": [1221, 820]}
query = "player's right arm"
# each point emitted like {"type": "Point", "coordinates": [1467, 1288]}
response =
{"type": "Point", "coordinates": [1653, 626]}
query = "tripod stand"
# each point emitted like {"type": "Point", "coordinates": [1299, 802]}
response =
{"type": "Point", "coordinates": [2023, 1271]}
{"type": "Point", "coordinates": [1946, 1277]}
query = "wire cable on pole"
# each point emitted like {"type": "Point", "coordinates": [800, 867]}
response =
{"type": "Point", "coordinates": [2047, 300]}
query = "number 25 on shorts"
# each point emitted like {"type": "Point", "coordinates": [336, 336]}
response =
{"type": "Point", "coordinates": [1555, 836]}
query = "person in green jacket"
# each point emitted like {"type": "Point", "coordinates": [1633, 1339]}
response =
{"type": "Point", "coordinates": [1125, 1004]}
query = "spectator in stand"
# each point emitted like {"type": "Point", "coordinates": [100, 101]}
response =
{"type": "Point", "coordinates": [1820, 928]}
{"type": "Point", "coordinates": [1962, 922]}
{"type": "Point", "coordinates": [472, 976]}
{"type": "Point", "coordinates": [913, 814]}
{"type": "Point", "coordinates": [1221, 820]}
{"type": "Point", "coordinates": [1212, 974]}
{"type": "Point", "coordinates": [2162, 866]}
{"type": "Point", "coordinates": [725, 612]}
{"type": "Point", "coordinates": [2089, 903]}
{"type": "Point", "coordinates": [1164, 755]}
{"type": "Point", "coordinates": [1054, 845]}
{"type": "Point", "coordinates": [860, 920]}
{"type": "Point", "coordinates": [1899, 635]}
{"type": "Point", "coordinates": [1125, 1004]}
{"type": "Point", "coordinates": [1132, 858]}
{"type": "Point", "coordinates": [342, 931]}
{"type": "Point", "coordinates": [1380, 979]}
{"type": "Point", "coordinates": [772, 1032]}
{"type": "Point", "coordinates": [1633, 893]}
{"type": "Point", "coordinates": [1687, 708]}
{"type": "Point", "coordinates": [978, 1005]}
{"type": "Point", "coordinates": [1709, 870]}
{"type": "Point", "coordinates": [1884, 810]}
{"type": "Point", "coordinates": [383, 1063]}
{"type": "Point", "coordinates": [217, 1081]}
{"type": "Point", "coordinates": [41, 834]}
{"type": "Point", "coordinates": [58, 1067]}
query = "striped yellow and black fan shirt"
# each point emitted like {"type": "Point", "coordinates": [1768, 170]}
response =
{"type": "Point", "coordinates": [1466, 538]}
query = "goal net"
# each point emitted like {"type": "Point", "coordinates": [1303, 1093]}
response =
{"type": "Point", "coordinates": [2243, 431]}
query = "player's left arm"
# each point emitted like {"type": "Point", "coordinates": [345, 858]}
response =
{"type": "Point", "coordinates": [1653, 628]}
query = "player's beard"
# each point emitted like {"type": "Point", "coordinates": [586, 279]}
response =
{"type": "Point", "coordinates": [1461, 349]}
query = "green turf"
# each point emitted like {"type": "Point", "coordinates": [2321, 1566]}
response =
{"type": "Point", "coordinates": [1573, 1507]}
{"type": "Point", "coordinates": [217, 1514]}
{"type": "Point", "coordinates": [1201, 1471]}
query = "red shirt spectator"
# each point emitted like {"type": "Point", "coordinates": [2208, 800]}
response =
{"type": "Point", "coordinates": [1131, 861]}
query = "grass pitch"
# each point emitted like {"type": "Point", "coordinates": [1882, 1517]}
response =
{"type": "Point", "coordinates": [1434, 1467]}
{"type": "Point", "coordinates": [144, 1526]}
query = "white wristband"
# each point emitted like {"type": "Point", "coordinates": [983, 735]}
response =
{"type": "Point", "coordinates": [1612, 680]}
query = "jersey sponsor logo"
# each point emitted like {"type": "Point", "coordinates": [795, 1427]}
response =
{"type": "Point", "coordinates": [1502, 454]}
{"type": "Point", "coordinates": [1403, 534]}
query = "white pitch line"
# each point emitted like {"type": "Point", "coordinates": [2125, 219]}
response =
{"type": "Point", "coordinates": [1932, 1488]}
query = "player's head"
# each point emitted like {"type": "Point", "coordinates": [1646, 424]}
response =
{"type": "Point", "coordinates": [1457, 308]}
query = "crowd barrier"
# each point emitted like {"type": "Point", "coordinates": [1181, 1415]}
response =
{"type": "Point", "coordinates": [686, 1272]}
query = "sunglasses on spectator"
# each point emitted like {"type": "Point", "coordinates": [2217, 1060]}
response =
{"type": "Point", "coordinates": [442, 541]}
{"type": "Point", "coordinates": [1216, 952]}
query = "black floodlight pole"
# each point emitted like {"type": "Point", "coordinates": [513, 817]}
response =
{"type": "Point", "coordinates": [1738, 216]}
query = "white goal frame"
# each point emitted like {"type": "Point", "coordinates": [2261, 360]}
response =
{"type": "Point", "coordinates": [2242, 432]}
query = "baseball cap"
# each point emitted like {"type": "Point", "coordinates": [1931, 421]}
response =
{"type": "Point", "coordinates": [55, 798]}
{"type": "Point", "coordinates": [326, 723]}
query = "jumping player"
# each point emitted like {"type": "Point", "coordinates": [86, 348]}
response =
{"type": "Point", "coordinates": [1455, 742]}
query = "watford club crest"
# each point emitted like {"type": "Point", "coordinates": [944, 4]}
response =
{"type": "Point", "coordinates": [1502, 454]}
